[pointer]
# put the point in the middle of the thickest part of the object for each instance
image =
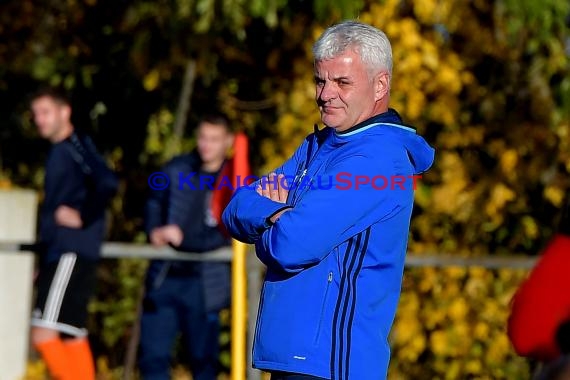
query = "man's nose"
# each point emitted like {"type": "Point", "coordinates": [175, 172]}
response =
{"type": "Point", "coordinates": [327, 92]}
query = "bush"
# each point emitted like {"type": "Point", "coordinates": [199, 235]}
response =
{"type": "Point", "coordinates": [451, 324]}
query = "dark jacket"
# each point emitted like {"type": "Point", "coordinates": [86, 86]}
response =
{"type": "Point", "coordinates": [75, 176]}
{"type": "Point", "coordinates": [186, 203]}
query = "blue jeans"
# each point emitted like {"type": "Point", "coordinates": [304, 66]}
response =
{"type": "Point", "coordinates": [177, 306]}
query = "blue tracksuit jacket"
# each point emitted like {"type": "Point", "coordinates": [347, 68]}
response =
{"type": "Point", "coordinates": [335, 260]}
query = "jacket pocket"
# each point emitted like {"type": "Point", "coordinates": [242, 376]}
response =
{"type": "Point", "coordinates": [323, 308]}
{"type": "Point", "coordinates": [259, 320]}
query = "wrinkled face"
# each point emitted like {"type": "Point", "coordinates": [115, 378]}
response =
{"type": "Point", "coordinates": [345, 92]}
{"type": "Point", "coordinates": [214, 140]}
{"type": "Point", "coordinates": [50, 116]}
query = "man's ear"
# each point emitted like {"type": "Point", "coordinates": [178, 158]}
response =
{"type": "Point", "coordinates": [382, 83]}
{"type": "Point", "coordinates": [230, 141]}
{"type": "Point", "coordinates": [66, 112]}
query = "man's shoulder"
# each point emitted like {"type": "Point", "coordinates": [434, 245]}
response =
{"type": "Point", "coordinates": [375, 144]}
{"type": "Point", "coordinates": [187, 161]}
{"type": "Point", "coordinates": [83, 143]}
{"type": "Point", "coordinates": [371, 152]}
{"type": "Point", "coordinates": [81, 136]}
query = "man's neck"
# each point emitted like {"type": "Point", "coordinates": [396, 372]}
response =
{"type": "Point", "coordinates": [62, 134]}
{"type": "Point", "coordinates": [212, 166]}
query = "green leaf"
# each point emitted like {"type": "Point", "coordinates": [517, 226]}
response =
{"type": "Point", "coordinates": [43, 68]}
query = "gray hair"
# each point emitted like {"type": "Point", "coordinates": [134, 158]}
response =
{"type": "Point", "coordinates": [371, 43]}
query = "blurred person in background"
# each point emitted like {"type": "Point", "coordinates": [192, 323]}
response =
{"type": "Point", "coordinates": [77, 187]}
{"type": "Point", "coordinates": [539, 323]}
{"type": "Point", "coordinates": [186, 296]}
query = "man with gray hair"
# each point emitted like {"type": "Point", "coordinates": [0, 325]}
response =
{"type": "Point", "coordinates": [335, 254]}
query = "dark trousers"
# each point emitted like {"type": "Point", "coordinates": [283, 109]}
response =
{"type": "Point", "coordinates": [293, 376]}
{"type": "Point", "coordinates": [177, 306]}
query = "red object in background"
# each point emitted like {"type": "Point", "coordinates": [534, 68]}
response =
{"type": "Point", "coordinates": [542, 303]}
{"type": "Point", "coordinates": [235, 169]}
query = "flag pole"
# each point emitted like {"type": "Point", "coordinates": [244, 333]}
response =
{"type": "Point", "coordinates": [239, 311]}
{"type": "Point", "coordinates": [239, 279]}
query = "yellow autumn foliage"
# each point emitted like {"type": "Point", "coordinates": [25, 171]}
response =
{"type": "Point", "coordinates": [456, 321]}
{"type": "Point", "coordinates": [151, 80]}
{"type": "Point", "coordinates": [499, 156]}
{"type": "Point", "coordinates": [489, 105]}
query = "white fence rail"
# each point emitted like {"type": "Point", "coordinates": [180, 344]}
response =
{"type": "Point", "coordinates": [17, 229]}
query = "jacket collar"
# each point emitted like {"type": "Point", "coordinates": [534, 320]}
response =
{"type": "Point", "coordinates": [391, 116]}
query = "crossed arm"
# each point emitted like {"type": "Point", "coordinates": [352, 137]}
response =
{"type": "Point", "coordinates": [292, 238]}
{"type": "Point", "coordinates": [277, 190]}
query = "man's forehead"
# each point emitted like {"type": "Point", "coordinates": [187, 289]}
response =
{"type": "Point", "coordinates": [346, 58]}
{"type": "Point", "coordinates": [45, 100]}
{"type": "Point", "coordinates": [208, 124]}
{"type": "Point", "coordinates": [334, 71]}
{"type": "Point", "coordinates": [212, 128]}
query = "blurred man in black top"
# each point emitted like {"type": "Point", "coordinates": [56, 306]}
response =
{"type": "Point", "coordinates": [183, 296]}
{"type": "Point", "coordinates": [77, 187]}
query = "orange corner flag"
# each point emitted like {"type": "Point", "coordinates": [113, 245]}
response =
{"type": "Point", "coordinates": [233, 175]}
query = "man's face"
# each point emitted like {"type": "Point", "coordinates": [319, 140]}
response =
{"type": "Point", "coordinates": [345, 92]}
{"type": "Point", "coordinates": [213, 142]}
{"type": "Point", "coordinates": [49, 116]}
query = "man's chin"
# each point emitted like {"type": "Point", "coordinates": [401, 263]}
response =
{"type": "Point", "coordinates": [331, 122]}
{"type": "Point", "coordinates": [45, 135]}
{"type": "Point", "coordinates": [209, 158]}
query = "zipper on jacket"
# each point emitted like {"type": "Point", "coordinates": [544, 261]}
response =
{"type": "Point", "coordinates": [297, 181]}
{"type": "Point", "coordinates": [308, 185]}
{"type": "Point", "coordinates": [329, 280]}
{"type": "Point", "coordinates": [311, 157]}
{"type": "Point", "coordinates": [299, 168]}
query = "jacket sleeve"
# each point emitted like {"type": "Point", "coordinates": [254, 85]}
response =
{"type": "Point", "coordinates": [102, 180]}
{"type": "Point", "coordinates": [541, 305]}
{"type": "Point", "coordinates": [156, 208]}
{"type": "Point", "coordinates": [65, 172]}
{"type": "Point", "coordinates": [325, 217]}
{"type": "Point", "coordinates": [105, 188]}
{"type": "Point", "coordinates": [246, 215]}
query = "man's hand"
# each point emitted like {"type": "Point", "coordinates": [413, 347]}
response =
{"type": "Point", "coordinates": [274, 187]}
{"type": "Point", "coordinates": [274, 218]}
{"type": "Point", "coordinates": [169, 234]}
{"type": "Point", "coordinates": [66, 216]}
